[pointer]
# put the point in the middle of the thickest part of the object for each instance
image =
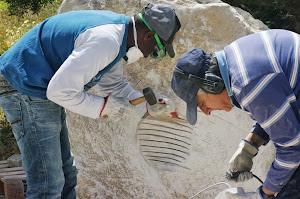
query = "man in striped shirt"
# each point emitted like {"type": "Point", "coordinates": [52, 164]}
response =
{"type": "Point", "coordinates": [259, 74]}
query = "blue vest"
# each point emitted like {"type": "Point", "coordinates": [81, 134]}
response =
{"type": "Point", "coordinates": [29, 65]}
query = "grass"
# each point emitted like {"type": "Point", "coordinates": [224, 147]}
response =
{"type": "Point", "coordinates": [12, 28]}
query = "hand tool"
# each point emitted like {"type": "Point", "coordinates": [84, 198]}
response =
{"type": "Point", "coordinates": [234, 176]}
{"type": "Point", "coordinates": [149, 96]}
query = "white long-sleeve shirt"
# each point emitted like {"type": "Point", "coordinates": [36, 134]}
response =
{"type": "Point", "coordinates": [94, 49]}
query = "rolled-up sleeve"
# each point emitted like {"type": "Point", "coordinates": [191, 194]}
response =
{"type": "Point", "coordinates": [256, 128]}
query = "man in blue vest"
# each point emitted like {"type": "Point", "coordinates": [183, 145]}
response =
{"type": "Point", "coordinates": [258, 73]}
{"type": "Point", "coordinates": [51, 68]}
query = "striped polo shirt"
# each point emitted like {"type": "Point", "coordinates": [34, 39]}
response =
{"type": "Point", "coordinates": [265, 82]}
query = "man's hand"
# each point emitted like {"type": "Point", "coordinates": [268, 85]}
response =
{"type": "Point", "coordinates": [115, 108]}
{"type": "Point", "coordinates": [242, 162]}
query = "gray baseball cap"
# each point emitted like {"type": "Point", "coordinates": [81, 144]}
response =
{"type": "Point", "coordinates": [164, 22]}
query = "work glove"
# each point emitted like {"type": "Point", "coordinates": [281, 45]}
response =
{"type": "Point", "coordinates": [239, 193]}
{"type": "Point", "coordinates": [164, 105]}
{"type": "Point", "coordinates": [241, 161]}
{"type": "Point", "coordinates": [115, 107]}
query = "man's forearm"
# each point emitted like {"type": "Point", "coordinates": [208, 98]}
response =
{"type": "Point", "coordinates": [255, 139]}
{"type": "Point", "coordinates": [268, 192]}
{"type": "Point", "coordinates": [258, 141]}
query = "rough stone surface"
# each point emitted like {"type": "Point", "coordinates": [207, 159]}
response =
{"type": "Point", "coordinates": [110, 157]}
{"type": "Point", "coordinates": [14, 160]}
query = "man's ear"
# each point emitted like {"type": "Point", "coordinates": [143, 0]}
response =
{"type": "Point", "coordinates": [149, 35]}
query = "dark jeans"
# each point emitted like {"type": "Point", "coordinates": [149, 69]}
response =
{"type": "Point", "coordinates": [292, 189]}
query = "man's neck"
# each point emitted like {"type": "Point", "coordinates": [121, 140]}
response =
{"type": "Point", "coordinates": [130, 38]}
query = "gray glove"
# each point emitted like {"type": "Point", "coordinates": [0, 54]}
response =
{"type": "Point", "coordinates": [115, 107]}
{"type": "Point", "coordinates": [241, 161]}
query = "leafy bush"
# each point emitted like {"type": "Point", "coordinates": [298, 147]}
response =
{"type": "Point", "coordinates": [19, 7]}
{"type": "Point", "coordinates": [12, 28]}
{"type": "Point", "coordinates": [3, 5]}
{"type": "Point", "coordinates": [276, 14]}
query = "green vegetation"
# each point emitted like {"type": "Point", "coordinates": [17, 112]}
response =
{"type": "Point", "coordinates": [3, 6]}
{"type": "Point", "coordinates": [19, 7]}
{"type": "Point", "coordinates": [8, 145]}
{"type": "Point", "coordinates": [12, 28]}
{"type": "Point", "coordinates": [282, 14]}
{"type": "Point", "coordinates": [276, 14]}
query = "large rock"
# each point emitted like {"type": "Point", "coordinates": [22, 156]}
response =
{"type": "Point", "coordinates": [117, 160]}
{"type": "Point", "coordinates": [15, 160]}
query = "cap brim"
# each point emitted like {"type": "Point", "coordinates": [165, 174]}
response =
{"type": "Point", "coordinates": [170, 49]}
{"type": "Point", "coordinates": [191, 111]}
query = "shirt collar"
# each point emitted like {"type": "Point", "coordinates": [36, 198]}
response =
{"type": "Point", "coordinates": [223, 66]}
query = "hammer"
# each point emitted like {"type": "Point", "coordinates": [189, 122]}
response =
{"type": "Point", "coordinates": [149, 96]}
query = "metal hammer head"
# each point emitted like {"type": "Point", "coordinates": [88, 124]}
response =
{"type": "Point", "coordinates": [149, 96]}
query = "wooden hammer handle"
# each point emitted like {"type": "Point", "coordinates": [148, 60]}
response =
{"type": "Point", "coordinates": [137, 101]}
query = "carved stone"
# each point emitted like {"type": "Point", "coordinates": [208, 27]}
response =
{"type": "Point", "coordinates": [111, 156]}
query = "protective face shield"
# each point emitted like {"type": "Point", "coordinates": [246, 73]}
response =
{"type": "Point", "coordinates": [159, 50]}
{"type": "Point", "coordinates": [134, 53]}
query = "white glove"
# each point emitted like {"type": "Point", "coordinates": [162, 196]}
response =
{"type": "Point", "coordinates": [241, 161]}
{"type": "Point", "coordinates": [116, 107]}
{"type": "Point", "coordinates": [163, 105]}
